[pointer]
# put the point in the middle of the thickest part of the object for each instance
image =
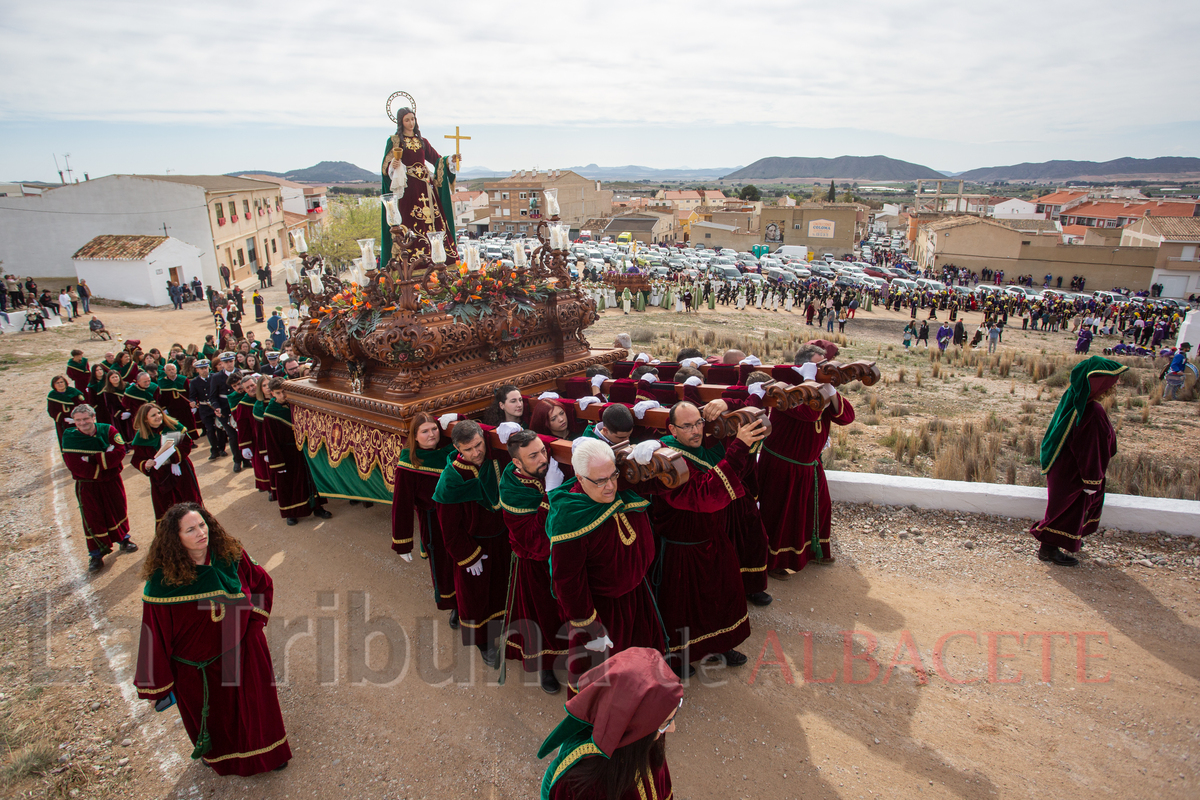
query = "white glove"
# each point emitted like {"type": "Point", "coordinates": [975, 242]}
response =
{"type": "Point", "coordinates": [233, 423]}
{"type": "Point", "coordinates": [85, 458]}
{"type": "Point", "coordinates": [246, 454]}
{"type": "Point", "coordinates": [599, 645]}
{"type": "Point", "coordinates": [751, 360]}
{"type": "Point", "coordinates": [757, 389]}
{"type": "Point", "coordinates": [649, 377]}
{"type": "Point", "coordinates": [590, 400]}
{"type": "Point", "coordinates": [445, 419]}
{"type": "Point", "coordinates": [655, 361]}
{"type": "Point", "coordinates": [807, 371]}
{"type": "Point", "coordinates": [109, 449]}
{"type": "Point", "coordinates": [694, 361]}
{"type": "Point", "coordinates": [640, 409]}
{"type": "Point", "coordinates": [282, 471]}
{"type": "Point", "coordinates": [598, 381]}
{"type": "Point", "coordinates": [693, 381]}
{"type": "Point", "coordinates": [477, 567]}
{"type": "Point", "coordinates": [548, 396]}
{"type": "Point", "coordinates": [70, 421]}
{"type": "Point", "coordinates": [176, 471]}
{"type": "Point", "coordinates": [642, 451]}
{"type": "Point", "coordinates": [126, 415]}
{"type": "Point", "coordinates": [643, 357]}
{"type": "Point", "coordinates": [506, 429]}
{"type": "Point", "coordinates": [407, 557]}
{"type": "Point", "coordinates": [1089, 491]}
{"type": "Point", "coordinates": [827, 391]}
{"type": "Point", "coordinates": [554, 475]}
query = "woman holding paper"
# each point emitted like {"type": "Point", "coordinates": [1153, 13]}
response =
{"type": "Point", "coordinates": [164, 458]}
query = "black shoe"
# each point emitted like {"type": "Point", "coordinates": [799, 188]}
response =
{"type": "Point", "coordinates": [95, 563]}
{"type": "Point", "coordinates": [213, 456]}
{"type": "Point", "coordinates": [293, 521]}
{"type": "Point", "coordinates": [353, 502]}
{"type": "Point", "coordinates": [682, 669]}
{"type": "Point", "coordinates": [128, 547]}
{"type": "Point", "coordinates": [322, 513]}
{"type": "Point", "coordinates": [454, 619]}
{"type": "Point", "coordinates": [549, 681]}
{"type": "Point", "coordinates": [1055, 556]}
{"type": "Point", "coordinates": [733, 658]}
{"type": "Point", "coordinates": [271, 495]}
{"type": "Point", "coordinates": [491, 656]}
{"type": "Point", "coordinates": [366, 504]}
{"type": "Point", "coordinates": [237, 468]}
{"type": "Point", "coordinates": [282, 766]}
{"type": "Point", "coordinates": [760, 599]}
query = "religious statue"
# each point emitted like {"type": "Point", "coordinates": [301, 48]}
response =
{"type": "Point", "coordinates": [422, 196]}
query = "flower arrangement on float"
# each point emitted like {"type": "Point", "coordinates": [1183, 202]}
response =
{"type": "Point", "coordinates": [469, 294]}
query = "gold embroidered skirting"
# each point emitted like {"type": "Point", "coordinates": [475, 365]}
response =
{"type": "Point", "coordinates": [370, 447]}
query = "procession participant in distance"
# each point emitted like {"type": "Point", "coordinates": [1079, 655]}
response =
{"type": "Point", "coordinates": [209, 351]}
{"type": "Point", "coordinates": [601, 548]}
{"type": "Point", "coordinates": [173, 396]}
{"type": "Point", "coordinates": [262, 470]}
{"type": "Point", "coordinates": [60, 402]}
{"type": "Point", "coordinates": [198, 396]}
{"type": "Point", "coordinates": [204, 608]}
{"type": "Point", "coordinates": [93, 453]}
{"type": "Point", "coordinates": [174, 480]}
{"type": "Point", "coordinates": [219, 388]}
{"type": "Point", "coordinates": [697, 580]}
{"type": "Point", "coordinates": [612, 744]}
{"type": "Point", "coordinates": [272, 367]}
{"type": "Point", "coordinates": [294, 489]}
{"type": "Point", "coordinates": [126, 367]}
{"type": "Point", "coordinates": [77, 370]}
{"type": "Point", "coordinates": [794, 499]}
{"type": "Point", "coordinates": [615, 425]}
{"type": "Point", "coordinates": [1076, 449]}
{"type": "Point", "coordinates": [468, 508]}
{"type": "Point", "coordinates": [94, 388]}
{"type": "Point", "coordinates": [417, 473]}
{"type": "Point", "coordinates": [113, 396]}
{"type": "Point", "coordinates": [534, 620]}
{"type": "Point", "coordinates": [143, 391]}
{"type": "Point", "coordinates": [242, 413]}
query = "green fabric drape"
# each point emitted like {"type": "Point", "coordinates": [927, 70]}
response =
{"type": "Point", "coordinates": [344, 482]}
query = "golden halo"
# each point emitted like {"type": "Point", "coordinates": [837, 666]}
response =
{"type": "Point", "coordinates": [412, 104]}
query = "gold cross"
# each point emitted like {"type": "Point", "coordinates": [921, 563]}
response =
{"type": "Point", "coordinates": [457, 137]}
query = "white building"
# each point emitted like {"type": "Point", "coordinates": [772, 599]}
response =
{"type": "Point", "coordinates": [135, 269]}
{"type": "Point", "coordinates": [1016, 208]}
{"type": "Point", "coordinates": [298, 198]}
{"type": "Point", "coordinates": [236, 223]}
{"type": "Point", "coordinates": [465, 204]}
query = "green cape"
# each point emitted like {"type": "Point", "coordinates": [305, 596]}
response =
{"type": "Point", "coordinates": [483, 489]}
{"type": "Point", "coordinates": [67, 398]}
{"type": "Point", "coordinates": [218, 579]}
{"type": "Point", "coordinates": [279, 411]}
{"type": "Point", "coordinates": [1071, 406]}
{"type": "Point", "coordinates": [517, 496]}
{"type": "Point", "coordinates": [431, 460]}
{"type": "Point", "coordinates": [574, 514]}
{"type": "Point", "coordinates": [573, 739]}
{"type": "Point", "coordinates": [74, 441]}
{"type": "Point", "coordinates": [156, 440]}
{"type": "Point", "coordinates": [145, 395]}
{"type": "Point", "coordinates": [707, 457]}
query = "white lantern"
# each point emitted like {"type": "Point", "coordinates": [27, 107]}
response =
{"type": "Point", "coordinates": [314, 277]}
{"type": "Point", "coordinates": [357, 274]}
{"type": "Point", "coordinates": [437, 246]}
{"type": "Point", "coordinates": [551, 201]}
{"type": "Point", "coordinates": [519, 257]}
{"type": "Point", "coordinates": [290, 271]}
{"type": "Point", "coordinates": [473, 258]}
{"type": "Point", "coordinates": [368, 253]}
{"type": "Point", "coordinates": [391, 207]}
{"type": "Point", "coordinates": [298, 238]}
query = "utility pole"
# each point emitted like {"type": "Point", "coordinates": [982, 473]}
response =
{"type": "Point", "coordinates": [67, 162]}
{"type": "Point", "coordinates": [165, 230]}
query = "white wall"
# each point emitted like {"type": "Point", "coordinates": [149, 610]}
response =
{"type": "Point", "coordinates": [140, 282]}
{"type": "Point", "coordinates": [1016, 209]}
{"type": "Point", "coordinates": [38, 235]}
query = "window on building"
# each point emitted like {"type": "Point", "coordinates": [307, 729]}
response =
{"type": "Point", "coordinates": [508, 227]}
{"type": "Point", "coordinates": [524, 227]}
{"type": "Point", "coordinates": [276, 203]}
{"type": "Point", "coordinates": [241, 258]}
{"type": "Point", "coordinates": [220, 211]}
{"type": "Point", "coordinates": [496, 210]}
{"type": "Point", "coordinates": [708, 236]}
{"type": "Point", "coordinates": [273, 249]}
{"type": "Point", "coordinates": [291, 241]}
{"type": "Point", "coordinates": [524, 212]}
{"type": "Point", "coordinates": [523, 196]}
{"type": "Point", "coordinates": [507, 213]}
{"type": "Point", "coordinates": [246, 207]}
{"type": "Point", "coordinates": [796, 226]}
{"type": "Point", "coordinates": [504, 195]}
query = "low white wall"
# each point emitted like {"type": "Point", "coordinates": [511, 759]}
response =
{"type": "Point", "coordinates": [1121, 511]}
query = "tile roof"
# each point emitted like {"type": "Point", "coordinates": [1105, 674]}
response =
{"type": "Point", "coordinates": [1075, 230]}
{"type": "Point", "coordinates": [1176, 229]}
{"type": "Point", "coordinates": [686, 194]}
{"type": "Point", "coordinates": [212, 183]}
{"type": "Point", "coordinates": [1039, 225]}
{"type": "Point", "coordinates": [113, 247]}
{"type": "Point", "coordinates": [1112, 209]}
{"type": "Point", "coordinates": [631, 224]}
{"type": "Point", "coordinates": [291, 219]}
{"type": "Point", "coordinates": [1059, 197]}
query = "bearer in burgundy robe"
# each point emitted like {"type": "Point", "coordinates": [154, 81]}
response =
{"type": "Point", "coordinates": [698, 582]}
{"type": "Point", "coordinates": [173, 395]}
{"type": "Point", "coordinates": [601, 549]}
{"type": "Point", "coordinates": [60, 402]}
{"type": "Point", "coordinates": [468, 508]}
{"type": "Point", "coordinates": [93, 452]}
{"type": "Point", "coordinates": [203, 643]}
{"type": "Point", "coordinates": [241, 411]}
{"type": "Point", "coordinates": [77, 370]}
{"type": "Point", "coordinates": [138, 393]}
{"type": "Point", "coordinates": [294, 489]}
{"type": "Point", "coordinates": [536, 631]}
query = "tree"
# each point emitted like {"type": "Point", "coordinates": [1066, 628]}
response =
{"type": "Point", "coordinates": [348, 222]}
{"type": "Point", "coordinates": [832, 196]}
{"type": "Point", "coordinates": [750, 192]}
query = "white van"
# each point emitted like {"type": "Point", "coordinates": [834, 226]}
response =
{"type": "Point", "coordinates": [797, 250]}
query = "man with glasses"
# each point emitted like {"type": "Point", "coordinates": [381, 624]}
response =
{"type": "Point", "coordinates": [468, 508]}
{"type": "Point", "coordinates": [601, 548]}
{"type": "Point", "coordinates": [93, 452]}
{"type": "Point", "coordinates": [699, 584]}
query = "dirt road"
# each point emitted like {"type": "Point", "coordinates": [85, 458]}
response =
{"type": "Point", "coordinates": [381, 701]}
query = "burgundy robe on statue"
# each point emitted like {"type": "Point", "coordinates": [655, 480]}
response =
{"type": "Point", "coordinates": [1072, 513]}
{"type": "Point", "coordinates": [471, 531]}
{"type": "Point", "coordinates": [537, 631]}
{"type": "Point", "coordinates": [794, 497]}
{"type": "Point", "coordinates": [99, 488]}
{"type": "Point", "coordinates": [244, 722]}
{"type": "Point", "coordinates": [698, 583]}
{"type": "Point", "coordinates": [600, 582]}
{"type": "Point", "coordinates": [167, 488]}
{"type": "Point", "coordinates": [413, 494]}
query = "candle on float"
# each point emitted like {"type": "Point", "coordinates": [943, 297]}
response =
{"type": "Point", "coordinates": [315, 279]}
{"type": "Point", "coordinates": [519, 257]}
{"type": "Point", "coordinates": [551, 201]}
{"type": "Point", "coordinates": [391, 206]}
{"type": "Point", "coordinates": [437, 247]}
{"type": "Point", "coordinates": [298, 238]}
{"type": "Point", "coordinates": [367, 246]}
{"type": "Point", "coordinates": [472, 258]}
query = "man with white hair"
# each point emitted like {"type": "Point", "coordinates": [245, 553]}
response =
{"type": "Point", "coordinates": [601, 547]}
{"type": "Point", "coordinates": [93, 452]}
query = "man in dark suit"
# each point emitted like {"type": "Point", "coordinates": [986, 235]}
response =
{"type": "Point", "coordinates": [218, 393]}
{"type": "Point", "coordinates": [198, 393]}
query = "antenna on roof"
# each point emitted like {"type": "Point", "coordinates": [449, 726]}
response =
{"type": "Point", "coordinates": [67, 162]}
{"type": "Point", "coordinates": [58, 170]}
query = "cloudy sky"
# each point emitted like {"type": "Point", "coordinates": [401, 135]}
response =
{"type": "Point", "coordinates": [216, 86]}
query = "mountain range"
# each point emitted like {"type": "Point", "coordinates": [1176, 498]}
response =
{"type": "Point", "coordinates": [324, 172]}
{"type": "Point", "coordinates": [871, 168]}
{"type": "Point", "coordinates": [1120, 168]}
{"type": "Point", "coordinates": [631, 172]}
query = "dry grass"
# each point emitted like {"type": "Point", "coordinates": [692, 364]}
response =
{"type": "Point", "coordinates": [643, 335]}
{"type": "Point", "coordinates": [1159, 475]}
{"type": "Point", "coordinates": [966, 454]}
{"type": "Point", "coordinates": [900, 376]}
{"type": "Point", "coordinates": [918, 381]}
